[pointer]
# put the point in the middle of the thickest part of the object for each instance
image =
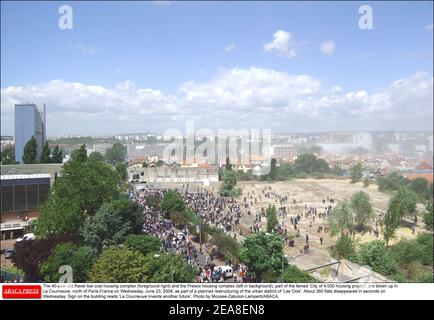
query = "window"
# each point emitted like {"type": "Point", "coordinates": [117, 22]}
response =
{"type": "Point", "coordinates": [20, 198]}
{"type": "Point", "coordinates": [32, 196]}
{"type": "Point", "coordinates": [7, 199]}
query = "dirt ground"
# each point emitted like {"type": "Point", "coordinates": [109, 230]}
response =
{"type": "Point", "coordinates": [311, 192]}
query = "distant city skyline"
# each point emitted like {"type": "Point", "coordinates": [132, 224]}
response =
{"type": "Point", "coordinates": [286, 66]}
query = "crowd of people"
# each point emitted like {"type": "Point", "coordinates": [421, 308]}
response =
{"type": "Point", "coordinates": [225, 213]}
{"type": "Point", "coordinates": [171, 240]}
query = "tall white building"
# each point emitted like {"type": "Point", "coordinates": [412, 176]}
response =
{"type": "Point", "coordinates": [29, 121]}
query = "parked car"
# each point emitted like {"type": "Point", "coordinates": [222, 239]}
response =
{"type": "Point", "coordinates": [27, 236]}
{"type": "Point", "coordinates": [8, 253]}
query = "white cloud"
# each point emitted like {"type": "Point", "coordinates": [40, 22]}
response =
{"type": "Point", "coordinates": [336, 89]}
{"type": "Point", "coordinates": [283, 45]}
{"type": "Point", "coordinates": [248, 89]}
{"type": "Point", "coordinates": [90, 50]}
{"type": "Point", "coordinates": [230, 47]}
{"type": "Point", "coordinates": [232, 98]}
{"type": "Point", "coordinates": [328, 48]}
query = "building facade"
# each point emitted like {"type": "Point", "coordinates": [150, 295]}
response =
{"type": "Point", "coordinates": [167, 174]}
{"type": "Point", "coordinates": [29, 121]}
{"type": "Point", "coordinates": [23, 188]}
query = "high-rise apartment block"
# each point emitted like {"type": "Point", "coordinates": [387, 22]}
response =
{"type": "Point", "coordinates": [29, 121]}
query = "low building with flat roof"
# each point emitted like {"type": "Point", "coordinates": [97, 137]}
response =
{"type": "Point", "coordinates": [173, 174]}
{"type": "Point", "coordinates": [23, 188]}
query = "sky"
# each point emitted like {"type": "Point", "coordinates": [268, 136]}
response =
{"type": "Point", "coordinates": [150, 66]}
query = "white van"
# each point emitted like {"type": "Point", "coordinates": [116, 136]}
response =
{"type": "Point", "coordinates": [27, 236]}
{"type": "Point", "coordinates": [227, 270]}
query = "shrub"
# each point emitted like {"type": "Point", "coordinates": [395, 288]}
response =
{"type": "Point", "coordinates": [376, 255]}
{"type": "Point", "coordinates": [294, 275]}
{"type": "Point", "coordinates": [120, 266]}
{"type": "Point", "coordinates": [144, 244]}
{"type": "Point", "coordinates": [227, 246]}
{"type": "Point", "coordinates": [344, 248]}
{"type": "Point", "coordinates": [78, 258]}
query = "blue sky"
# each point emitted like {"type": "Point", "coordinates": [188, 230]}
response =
{"type": "Point", "coordinates": [180, 50]}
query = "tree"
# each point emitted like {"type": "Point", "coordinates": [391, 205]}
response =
{"type": "Point", "coordinates": [228, 165]}
{"type": "Point", "coordinates": [294, 275]}
{"type": "Point", "coordinates": [45, 154]}
{"type": "Point", "coordinates": [7, 156]}
{"type": "Point", "coordinates": [272, 175]}
{"type": "Point", "coordinates": [153, 200]}
{"type": "Point", "coordinates": [362, 207]}
{"type": "Point", "coordinates": [402, 204]}
{"type": "Point", "coordinates": [340, 220]}
{"type": "Point", "coordinates": [121, 170]}
{"type": "Point", "coordinates": [392, 182]}
{"type": "Point", "coordinates": [96, 156]}
{"type": "Point", "coordinates": [408, 202]}
{"type": "Point", "coordinates": [78, 192]}
{"type": "Point", "coordinates": [57, 156]}
{"type": "Point", "coordinates": [165, 268]}
{"type": "Point", "coordinates": [430, 192]}
{"type": "Point", "coordinates": [29, 155]}
{"type": "Point", "coordinates": [79, 258]}
{"type": "Point", "coordinates": [428, 216]}
{"type": "Point", "coordinates": [414, 250]}
{"type": "Point", "coordinates": [272, 221]}
{"type": "Point", "coordinates": [419, 185]}
{"type": "Point", "coordinates": [262, 252]}
{"type": "Point", "coordinates": [112, 223]}
{"type": "Point", "coordinates": [285, 171]}
{"type": "Point", "coordinates": [226, 245]}
{"type": "Point", "coordinates": [356, 172]}
{"type": "Point", "coordinates": [227, 188]}
{"type": "Point", "coordinates": [29, 254]}
{"type": "Point", "coordinates": [144, 244]}
{"type": "Point", "coordinates": [392, 218]}
{"type": "Point", "coordinates": [337, 171]}
{"type": "Point", "coordinates": [116, 153]}
{"type": "Point", "coordinates": [120, 265]}
{"type": "Point", "coordinates": [172, 202]}
{"type": "Point", "coordinates": [309, 163]}
{"type": "Point", "coordinates": [315, 149]}
{"type": "Point", "coordinates": [344, 248]}
{"type": "Point", "coordinates": [80, 154]}
{"type": "Point", "coordinates": [179, 219]}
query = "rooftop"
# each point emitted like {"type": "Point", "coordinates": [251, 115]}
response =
{"type": "Point", "coordinates": [25, 169]}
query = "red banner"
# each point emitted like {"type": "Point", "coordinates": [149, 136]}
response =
{"type": "Point", "coordinates": [21, 292]}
